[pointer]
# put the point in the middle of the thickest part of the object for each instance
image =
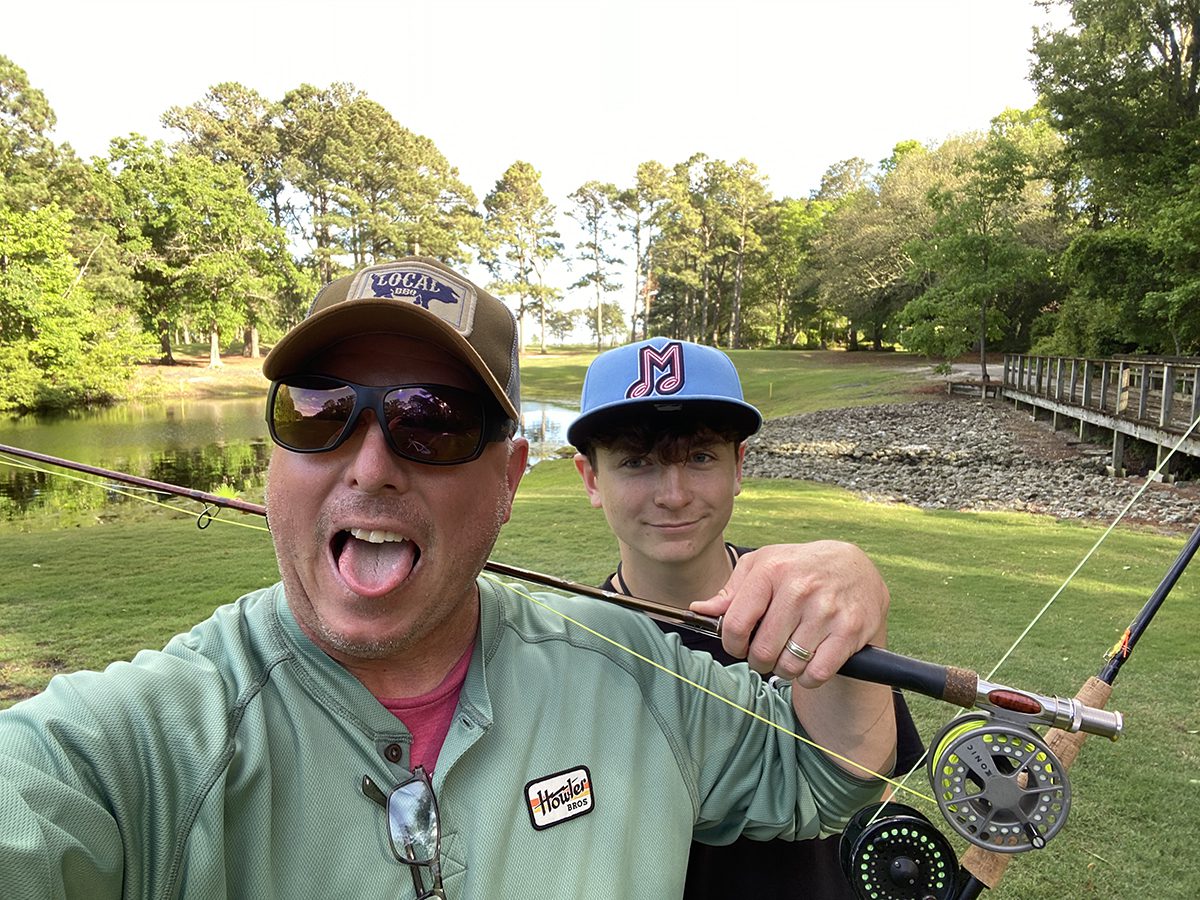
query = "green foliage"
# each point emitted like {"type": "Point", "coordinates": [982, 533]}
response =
{"type": "Point", "coordinates": [201, 248]}
{"type": "Point", "coordinates": [1175, 232]}
{"type": "Point", "coordinates": [27, 153]}
{"type": "Point", "coordinates": [57, 346]}
{"type": "Point", "coordinates": [612, 323]}
{"type": "Point", "coordinates": [1108, 272]}
{"type": "Point", "coordinates": [987, 244]}
{"type": "Point", "coordinates": [596, 210]}
{"type": "Point", "coordinates": [1123, 83]}
{"type": "Point", "coordinates": [520, 241]}
{"type": "Point", "coordinates": [946, 246]}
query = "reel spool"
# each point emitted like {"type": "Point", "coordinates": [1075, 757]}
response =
{"type": "Point", "coordinates": [899, 856]}
{"type": "Point", "coordinates": [998, 784]}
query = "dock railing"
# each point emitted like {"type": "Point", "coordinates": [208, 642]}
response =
{"type": "Point", "coordinates": [1152, 399]}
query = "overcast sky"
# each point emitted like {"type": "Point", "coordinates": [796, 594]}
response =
{"type": "Point", "coordinates": [581, 90]}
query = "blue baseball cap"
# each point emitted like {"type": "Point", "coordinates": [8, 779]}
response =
{"type": "Point", "coordinates": [661, 375]}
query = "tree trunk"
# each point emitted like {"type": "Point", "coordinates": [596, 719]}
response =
{"type": "Point", "coordinates": [735, 318]}
{"type": "Point", "coordinates": [250, 342]}
{"type": "Point", "coordinates": [164, 341]}
{"type": "Point", "coordinates": [214, 349]}
{"type": "Point", "coordinates": [599, 309]}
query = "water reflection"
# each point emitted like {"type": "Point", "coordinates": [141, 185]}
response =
{"type": "Point", "coordinates": [203, 444]}
{"type": "Point", "coordinates": [545, 427]}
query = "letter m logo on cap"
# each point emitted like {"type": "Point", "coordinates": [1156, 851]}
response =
{"type": "Point", "coordinates": [667, 362]}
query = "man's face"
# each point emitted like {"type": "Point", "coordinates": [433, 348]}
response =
{"type": "Point", "coordinates": [669, 512]}
{"type": "Point", "coordinates": [379, 554]}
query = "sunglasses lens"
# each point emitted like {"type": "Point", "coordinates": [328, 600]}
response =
{"type": "Point", "coordinates": [309, 415]}
{"type": "Point", "coordinates": [413, 822]}
{"type": "Point", "coordinates": [435, 423]}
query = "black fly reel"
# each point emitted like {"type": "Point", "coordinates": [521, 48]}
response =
{"type": "Point", "coordinates": [897, 854]}
{"type": "Point", "coordinates": [998, 784]}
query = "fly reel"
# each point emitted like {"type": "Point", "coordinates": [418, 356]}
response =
{"type": "Point", "coordinates": [998, 784]}
{"type": "Point", "coordinates": [898, 855]}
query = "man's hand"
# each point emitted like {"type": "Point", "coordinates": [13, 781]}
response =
{"type": "Point", "coordinates": [826, 597]}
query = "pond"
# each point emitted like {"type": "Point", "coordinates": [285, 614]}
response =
{"type": "Point", "coordinates": [202, 444]}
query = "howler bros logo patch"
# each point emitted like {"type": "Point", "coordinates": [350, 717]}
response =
{"type": "Point", "coordinates": [450, 299]}
{"type": "Point", "coordinates": [558, 798]}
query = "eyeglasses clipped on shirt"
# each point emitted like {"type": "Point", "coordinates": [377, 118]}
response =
{"type": "Point", "coordinates": [412, 820]}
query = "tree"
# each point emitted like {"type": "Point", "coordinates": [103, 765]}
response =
{"type": "Point", "coordinates": [235, 124]}
{"type": "Point", "coordinates": [783, 275]}
{"type": "Point", "coordinates": [199, 244]}
{"type": "Point", "coordinates": [611, 324]}
{"type": "Point", "coordinates": [1122, 82]}
{"type": "Point", "coordinates": [314, 131]}
{"type": "Point", "coordinates": [58, 347]}
{"type": "Point", "coordinates": [596, 211]}
{"type": "Point", "coordinates": [677, 255]}
{"type": "Point", "coordinates": [520, 241]}
{"type": "Point", "coordinates": [1108, 273]}
{"type": "Point", "coordinates": [640, 209]}
{"type": "Point", "coordinates": [397, 193]}
{"type": "Point", "coordinates": [1175, 307]}
{"type": "Point", "coordinates": [988, 244]}
{"type": "Point", "coordinates": [862, 254]}
{"type": "Point", "coordinates": [560, 323]}
{"type": "Point", "coordinates": [27, 154]}
{"type": "Point", "coordinates": [746, 197]}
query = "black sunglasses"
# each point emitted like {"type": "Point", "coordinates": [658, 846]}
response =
{"type": "Point", "coordinates": [427, 423]}
{"type": "Point", "coordinates": [413, 830]}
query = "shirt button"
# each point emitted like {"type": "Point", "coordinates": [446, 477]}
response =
{"type": "Point", "coordinates": [394, 753]}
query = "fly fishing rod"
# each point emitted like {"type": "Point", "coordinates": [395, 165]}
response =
{"type": "Point", "coordinates": [961, 687]}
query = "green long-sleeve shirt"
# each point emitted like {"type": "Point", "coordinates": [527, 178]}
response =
{"type": "Point", "coordinates": [229, 764]}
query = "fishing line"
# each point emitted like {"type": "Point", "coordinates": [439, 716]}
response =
{"type": "Point", "coordinates": [1134, 499]}
{"type": "Point", "coordinates": [749, 712]}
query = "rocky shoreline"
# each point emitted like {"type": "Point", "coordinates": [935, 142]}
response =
{"type": "Point", "coordinates": [962, 453]}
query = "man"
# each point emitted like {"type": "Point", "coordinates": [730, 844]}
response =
{"type": "Point", "coordinates": [661, 438]}
{"type": "Point", "coordinates": [385, 722]}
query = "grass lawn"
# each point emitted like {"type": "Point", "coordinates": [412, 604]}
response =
{"type": "Point", "coordinates": [963, 586]}
{"type": "Point", "coordinates": [778, 382]}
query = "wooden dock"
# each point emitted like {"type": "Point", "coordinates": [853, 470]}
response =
{"type": "Point", "coordinates": [1154, 400]}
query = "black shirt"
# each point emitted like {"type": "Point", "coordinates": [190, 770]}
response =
{"type": "Point", "coordinates": [808, 869]}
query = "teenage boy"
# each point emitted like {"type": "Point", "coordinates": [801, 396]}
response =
{"type": "Point", "coordinates": [661, 436]}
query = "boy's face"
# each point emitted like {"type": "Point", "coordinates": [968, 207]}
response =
{"type": "Point", "coordinates": [667, 511]}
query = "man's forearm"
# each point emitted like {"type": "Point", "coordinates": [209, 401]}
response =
{"type": "Point", "coordinates": [853, 719]}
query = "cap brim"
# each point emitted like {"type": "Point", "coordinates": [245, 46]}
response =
{"type": "Point", "coordinates": [360, 317]}
{"type": "Point", "coordinates": [742, 417]}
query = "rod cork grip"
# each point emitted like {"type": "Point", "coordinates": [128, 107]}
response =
{"type": "Point", "coordinates": [961, 685]}
{"type": "Point", "coordinates": [989, 867]}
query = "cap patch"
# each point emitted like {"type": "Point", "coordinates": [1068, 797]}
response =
{"type": "Point", "coordinates": [557, 798]}
{"type": "Point", "coordinates": [450, 299]}
{"type": "Point", "coordinates": [668, 361]}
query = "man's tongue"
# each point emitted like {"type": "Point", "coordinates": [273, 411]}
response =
{"type": "Point", "coordinates": [372, 569]}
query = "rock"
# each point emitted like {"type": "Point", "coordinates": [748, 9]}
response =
{"type": "Point", "coordinates": [961, 453]}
